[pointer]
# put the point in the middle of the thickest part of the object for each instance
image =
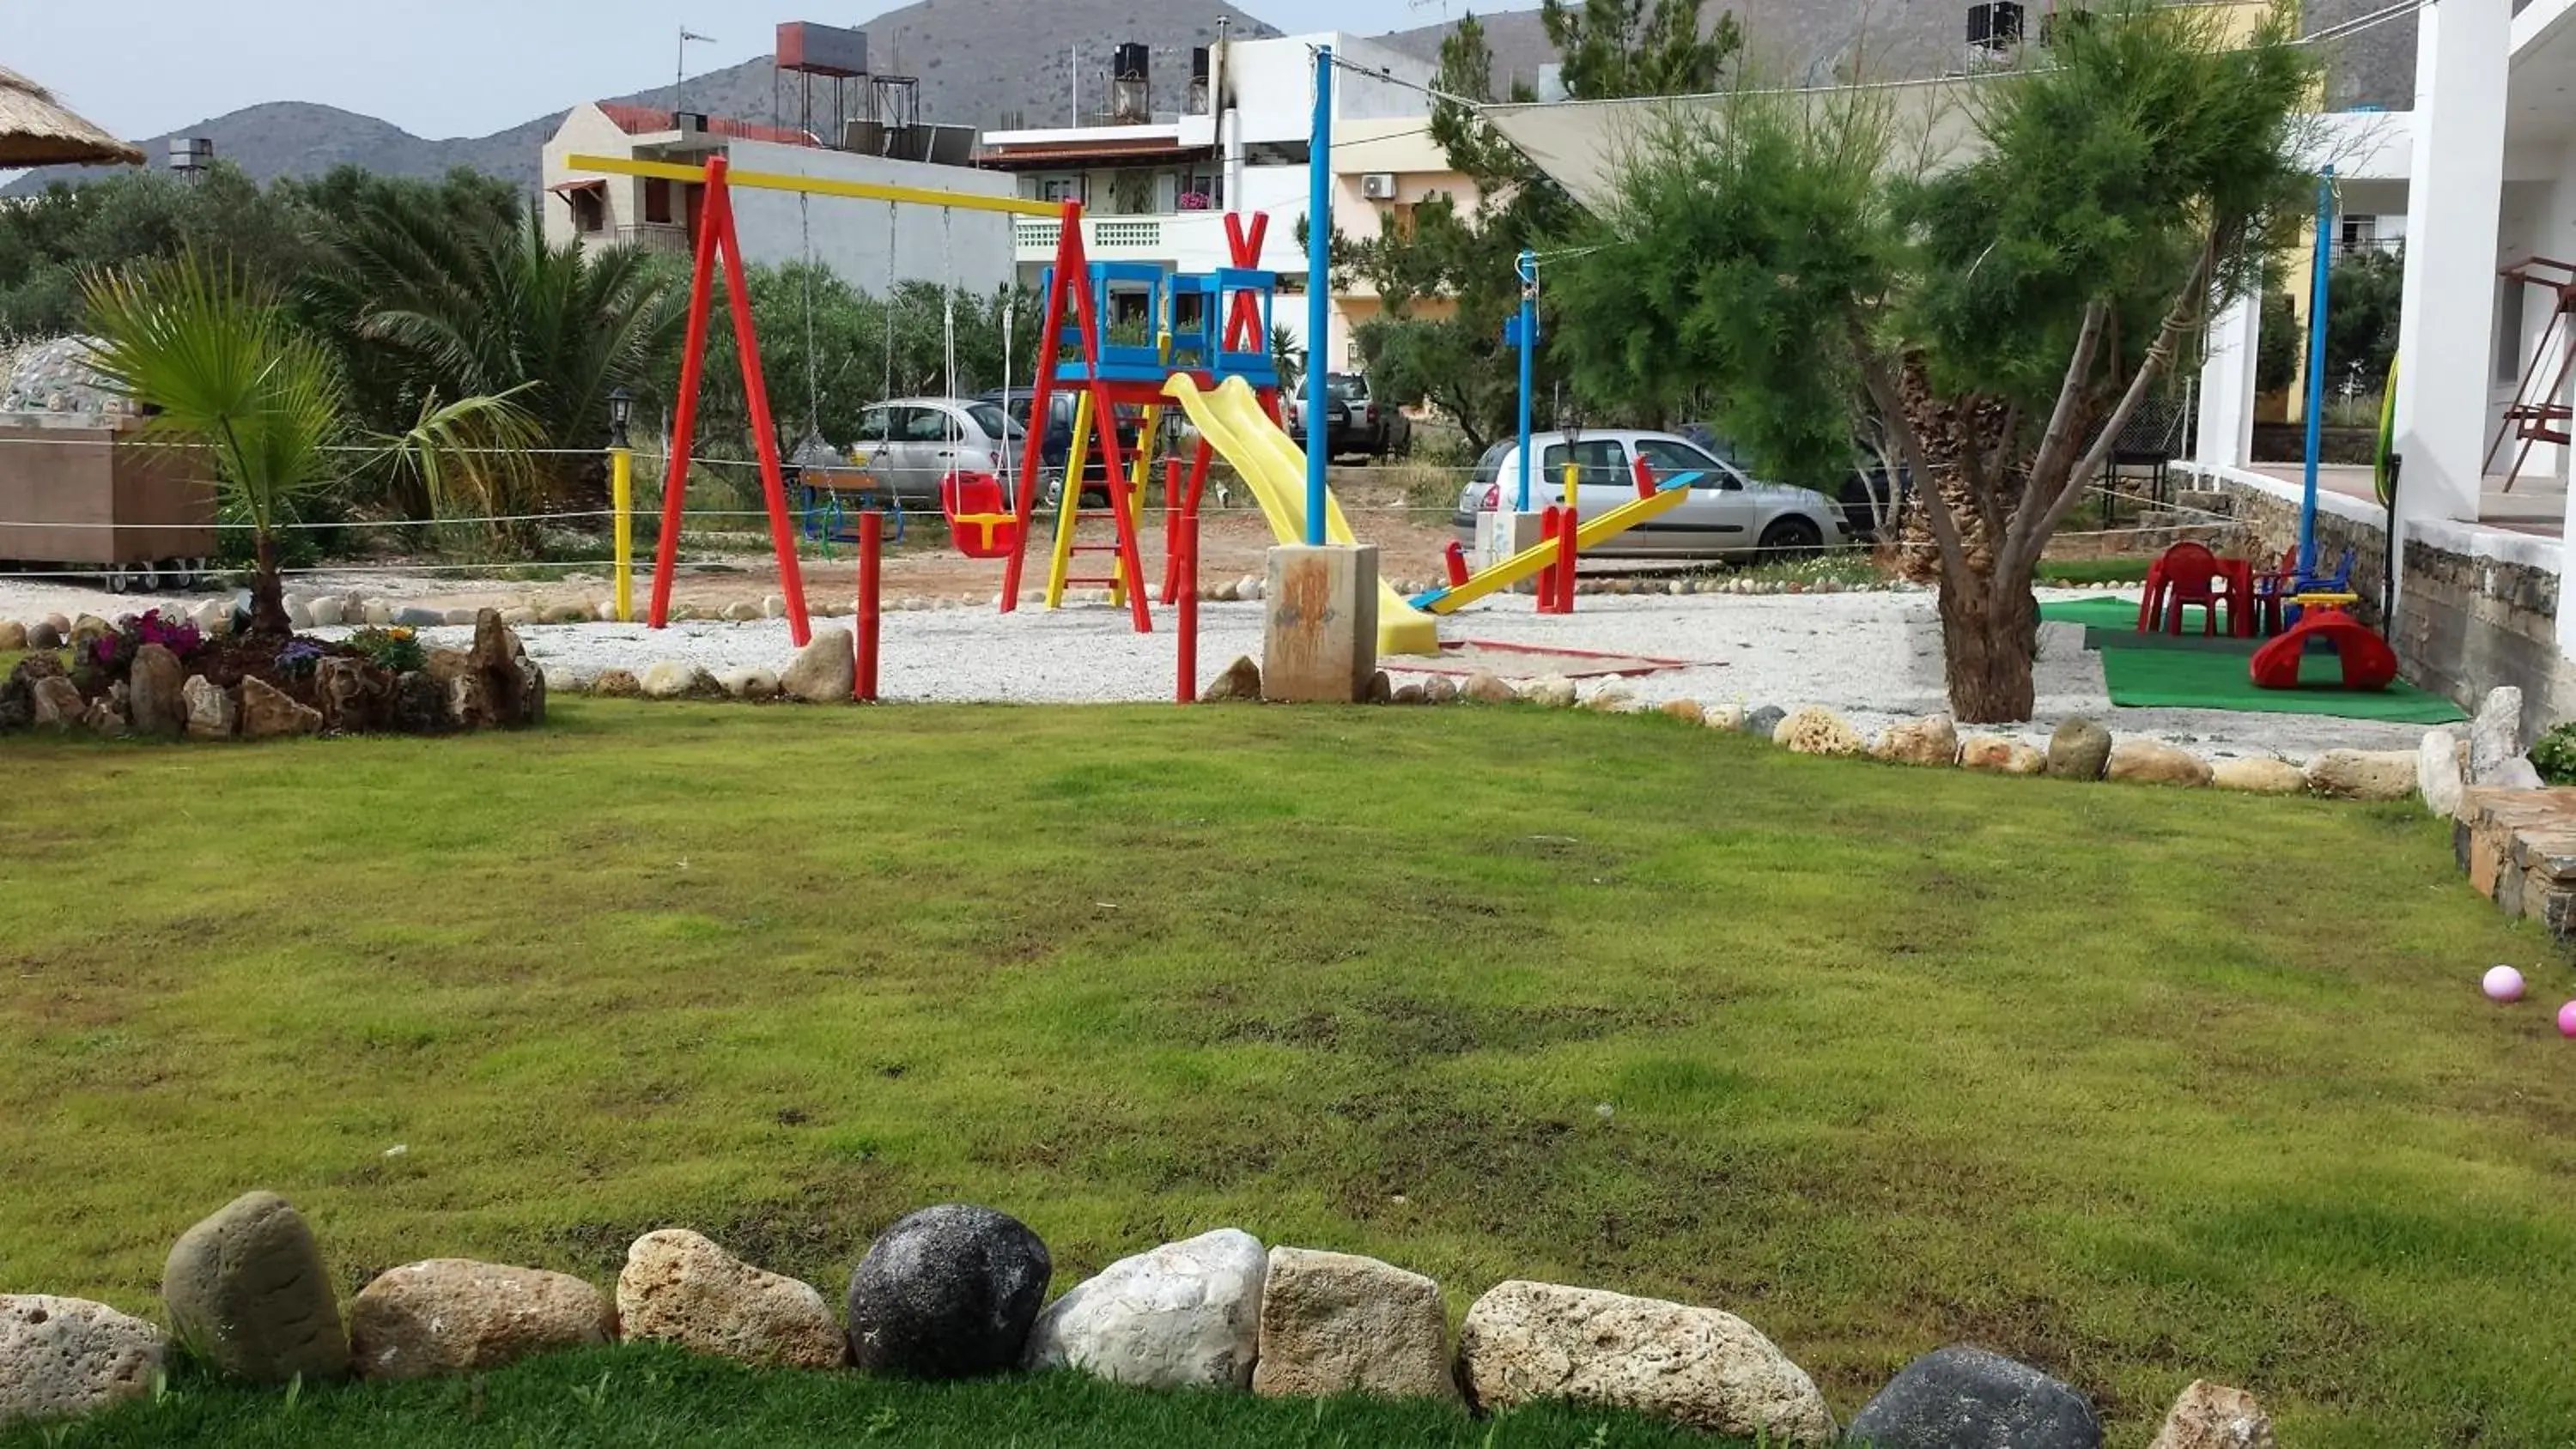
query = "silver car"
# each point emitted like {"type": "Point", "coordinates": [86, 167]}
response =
{"type": "Point", "coordinates": [909, 443]}
{"type": "Point", "coordinates": [1728, 516]}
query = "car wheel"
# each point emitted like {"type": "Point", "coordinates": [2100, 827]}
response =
{"type": "Point", "coordinates": [1792, 538]}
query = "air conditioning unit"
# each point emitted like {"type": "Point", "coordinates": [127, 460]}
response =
{"type": "Point", "coordinates": [1378, 185]}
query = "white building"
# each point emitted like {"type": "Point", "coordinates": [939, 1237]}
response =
{"type": "Point", "coordinates": [1156, 188]}
{"type": "Point", "coordinates": [868, 243]}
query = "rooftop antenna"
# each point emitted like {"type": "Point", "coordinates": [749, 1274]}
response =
{"type": "Point", "coordinates": [680, 71]}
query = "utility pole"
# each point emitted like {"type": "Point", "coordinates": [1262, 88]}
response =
{"type": "Point", "coordinates": [680, 68]}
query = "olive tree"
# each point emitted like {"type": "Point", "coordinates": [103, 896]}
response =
{"type": "Point", "coordinates": [2001, 310]}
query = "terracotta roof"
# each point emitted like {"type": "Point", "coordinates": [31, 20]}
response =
{"type": "Point", "coordinates": [1012, 158]}
{"type": "Point", "coordinates": [639, 120]}
{"type": "Point", "coordinates": [36, 131]}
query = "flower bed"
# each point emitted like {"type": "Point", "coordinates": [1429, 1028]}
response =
{"type": "Point", "coordinates": [149, 674]}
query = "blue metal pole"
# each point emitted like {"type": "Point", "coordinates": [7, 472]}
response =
{"type": "Point", "coordinates": [1319, 283]}
{"type": "Point", "coordinates": [1528, 269]}
{"type": "Point", "coordinates": [2317, 370]}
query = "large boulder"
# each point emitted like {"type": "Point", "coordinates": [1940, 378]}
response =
{"type": "Point", "coordinates": [13, 636]}
{"type": "Point", "coordinates": [1933, 740]}
{"type": "Point", "coordinates": [679, 1288]}
{"type": "Point", "coordinates": [457, 1316]}
{"type": "Point", "coordinates": [1553, 691]}
{"type": "Point", "coordinates": [1700, 1367]}
{"type": "Point", "coordinates": [1333, 1323]}
{"type": "Point", "coordinates": [2495, 736]}
{"type": "Point", "coordinates": [1186, 1315]}
{"type": "Point", "coordinates": [57, 703]}
{"type": "Point", "coordinates": [105, 720]}
{"type": "Point", "coordinates": [1815, 730]}
{"type": "Point", "coordinates": [1688, 711]}
{"type": "Point", "coordinates": [2363, 774]}
{"type": "Point", "coordinates": [1239, 683]}
{"type": "Point", "coordinates": [2153, 762]}
{"type": "Point", "coordinates": [1762, 719]}
{"type": "Point", "coordinates": [2259, 775]}
{"type": "Point", "coordinates": [353, 695]}
{"type": "Point", "coordinates": [675, 679]}
{"type": "Point", "coordinates": [155, 702]}
{"type": "Point", "coordinates": [65, 1357]}
{"type": "Point", "coordinates": [617, 684]}
{"type": "Point", "coordinates": [513, 696]}
{"type": "Point", "coordinates": [1486, 687]}
{"type": "Point", "coordinates": [212, 714]}
{"type": "Point", "coordinates": [947, 1292]}
{"type": "Point", "coordinates": [44, 635]}
{"type": "Point", "coordinates": [246, 1290]}
{"type": "Point", "coordinates": [2079, 749]}
{"type": "Point", "coordinates": [1967, 1398]}
{"type": "Point", "coordinates": [825, 671]}
{"type": "Point", "coordinates": [2214, 1416]}
{"type": "Point", "coordinates": [267, 712]}
{"type": "Point", "coordinates": [2441, 772]}
{"type": "Point", "coordinates": [1998, 755]}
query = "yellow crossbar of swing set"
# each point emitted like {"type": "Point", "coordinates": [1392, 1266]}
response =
{"type": "Point", "coordinates": [818, 186]}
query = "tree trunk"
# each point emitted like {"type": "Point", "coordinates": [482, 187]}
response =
{"type": "Point", "coordinates": [1989, 641]}
{"type": "Point", "coordinates": [268, 592]}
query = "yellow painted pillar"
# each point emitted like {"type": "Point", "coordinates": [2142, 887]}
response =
{"type": "Point", "coordinates": [621, 492]}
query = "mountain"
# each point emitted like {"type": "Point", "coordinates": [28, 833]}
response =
{"type": "Point", "coordinates": [982, 65]}
{"type": "Point", "coordinates": [978, 63]}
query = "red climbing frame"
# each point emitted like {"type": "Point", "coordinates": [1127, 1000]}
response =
{"type": "Point", "coordinates": [2368, 662]}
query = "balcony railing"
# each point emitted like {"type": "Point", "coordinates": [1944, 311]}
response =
{"type": "Point", "coordinates": [655, 236]}
{"type": "Point", "coordinates": [1195, 239]}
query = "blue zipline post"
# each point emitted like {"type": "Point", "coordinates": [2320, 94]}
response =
{"type": "Point", "coordinates": [2317, 371]}
{"type": "Point", "coordinates": [1526, 334]}
{"type": "Point", "coordinates": [1319, 282]}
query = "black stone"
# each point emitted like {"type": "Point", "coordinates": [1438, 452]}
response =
{"type": "Point", "coordinates": [420, 705]}
{"type": "Point", "coordinates": [947, 1293]}
{"type": "Point", "coordinates": [1762, 719]}
{"type": "Point", "coordinates": [1967, 1398]}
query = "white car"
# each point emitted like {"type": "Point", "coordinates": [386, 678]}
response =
{"type": "Point", "coordinates": [1728, 516]}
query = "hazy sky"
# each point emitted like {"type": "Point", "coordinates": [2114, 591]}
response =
{"type": "Point", "coordinates": [444, 67]}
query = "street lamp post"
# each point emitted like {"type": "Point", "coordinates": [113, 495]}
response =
{"type": "Point", "coordinates": [621, 493]}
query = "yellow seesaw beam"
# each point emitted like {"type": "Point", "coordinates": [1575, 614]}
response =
{"type": "Point", "coordinates": [1529, 562]}
{"type": "Point", "coordinates": [1232, 422]}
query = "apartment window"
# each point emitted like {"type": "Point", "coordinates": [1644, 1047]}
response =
{"type": "Point", "coordinates": [589, 210]}
{"type": "Point", "coordinates": [2508, 341]}
{"type": "Point", "coordinates": [1061, 189]}
{"type": "Point", "coordinates": [1199, 191]}
{"type": "Point", "coordinates": [657, 201]}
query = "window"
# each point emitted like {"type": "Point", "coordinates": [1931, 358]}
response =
{"type": "Point", "coordinates": [872, 425]}
{"type": "Point", "coordinates": [657, 201]}
{"type": "Point", "coordinates": [928, 425]}
{"type": "Point", "coordinates": [989, 419]}
{"type": "Point", "coordinates": [1489, 468]}
{"type": "Point", "coordinates": [2508, 341]}
{"type": "Point", "coordinates": [1600, 460]}
{"type": "Point", "coordinates": [589, 210]}
{"type": "Point", "coordinates": [1667, 458]}
{"type": "Point", "coordinates": [1060, 189]}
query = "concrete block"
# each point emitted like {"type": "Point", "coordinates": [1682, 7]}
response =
{"type": "Point", "coordinates": [1319, 624]}
{"type": "Point", "coordinates": [1501, 534]}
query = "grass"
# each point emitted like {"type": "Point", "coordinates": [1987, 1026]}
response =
{"type": "Point", "coordinates": [2138, 1085]}
{"type": "Point", "coordinates": [622, 1398]}
{"type": "Point", "coordinates": [2065, 573]}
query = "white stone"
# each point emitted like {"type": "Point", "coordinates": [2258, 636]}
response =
{"type": "Point", "coordinates": [560, 680]}
{"type": "Point", "coordinates": [748, 683]}
{"type": "Point", "coordinates": [774, 606]}
{"type": "Point", "coordinates": [377, 613]}
{"type": "Point", "coordinates": [2438, 777]}
{"type": "Point", "coordinates": [2495, 736]}
{"type": "Point", "coordinates": [2363, 774]}
{"type": "Point", "coordinates": [1333, 1323]}
{"type": "Point", "coordinates": [299, 612]}
{"type": "Point", "coordinates": [324, 612]}
{"type": "Point", "coordinates": [463, 617]}
{"type": "Point", "coordinates": [1186, 1315]}
{"type": "Point", "coordinates": [667, 679]}
{"type": "Point", "coordinates": [1524, 1342]}
{"type": "Point", "coordinates": [64, 1357]}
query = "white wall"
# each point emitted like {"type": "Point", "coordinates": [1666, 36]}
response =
{"type": "Point", "coordinates": [587, 131]}
{"type": "Point", "coordinates": [1272, 83]}
{"type": "Point", "coordinates": [970, 249]}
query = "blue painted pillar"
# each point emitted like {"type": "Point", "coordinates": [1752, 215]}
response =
{"type": "Point", "coordinates": [1527, 336]}
{"type": "Point", "coordinates": [2317, 370]}
{"type": "Point", "coordinates": [1319, 284]}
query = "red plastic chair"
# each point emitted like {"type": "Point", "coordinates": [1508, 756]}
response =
{"type": "Point", "coordinates": [2191, 577]}
{"type": "Point", "coordinates": [980, 521]}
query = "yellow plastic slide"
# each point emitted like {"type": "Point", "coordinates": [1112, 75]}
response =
{"type": "Point", "coordinates": [1233, 423]}
{"type": "Point", "coordinates": [1589, 533]}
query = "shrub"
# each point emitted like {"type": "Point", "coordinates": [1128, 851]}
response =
{"type": "Point", "coordinates": [395, 649]}
{"type": "Point", "coordinates": [2554, 754]}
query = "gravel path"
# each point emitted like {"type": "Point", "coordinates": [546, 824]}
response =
{"type": "Point", "coordinates": [1873, 657]}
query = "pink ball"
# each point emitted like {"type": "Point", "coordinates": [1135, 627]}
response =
{"type": "Point", "coordinates": [2503, 983]}
{"type": "Point", "coordinates": [2567, 1019]}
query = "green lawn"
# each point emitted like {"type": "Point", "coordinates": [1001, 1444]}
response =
{"type": "Point", "coordinates": [2139, 1085]}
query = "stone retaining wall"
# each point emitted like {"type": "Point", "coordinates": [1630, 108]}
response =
{"type": "Point", "coordinates": [2480, 608]}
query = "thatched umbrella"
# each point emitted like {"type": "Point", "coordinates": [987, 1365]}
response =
{"type": "Point", "coordinates": [34, 131]}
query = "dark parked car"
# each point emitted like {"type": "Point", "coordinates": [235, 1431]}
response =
{"type": "Point", "coordinates": [1357, 423]}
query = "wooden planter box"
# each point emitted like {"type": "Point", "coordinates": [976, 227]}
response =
{"type": "Point", "coordinates": [93, 494]}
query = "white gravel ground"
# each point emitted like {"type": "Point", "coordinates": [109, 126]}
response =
{"type": "Point", "coordinates": [1873, 657]}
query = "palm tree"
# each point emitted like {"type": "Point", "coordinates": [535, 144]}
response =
{"type": "Point", "coordinates": [220, 367]}
{"type": "Point", "coordinates": [429, 308]}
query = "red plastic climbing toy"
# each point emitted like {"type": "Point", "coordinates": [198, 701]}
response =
{"type": "Point", "coordinates": [2368, 662]}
